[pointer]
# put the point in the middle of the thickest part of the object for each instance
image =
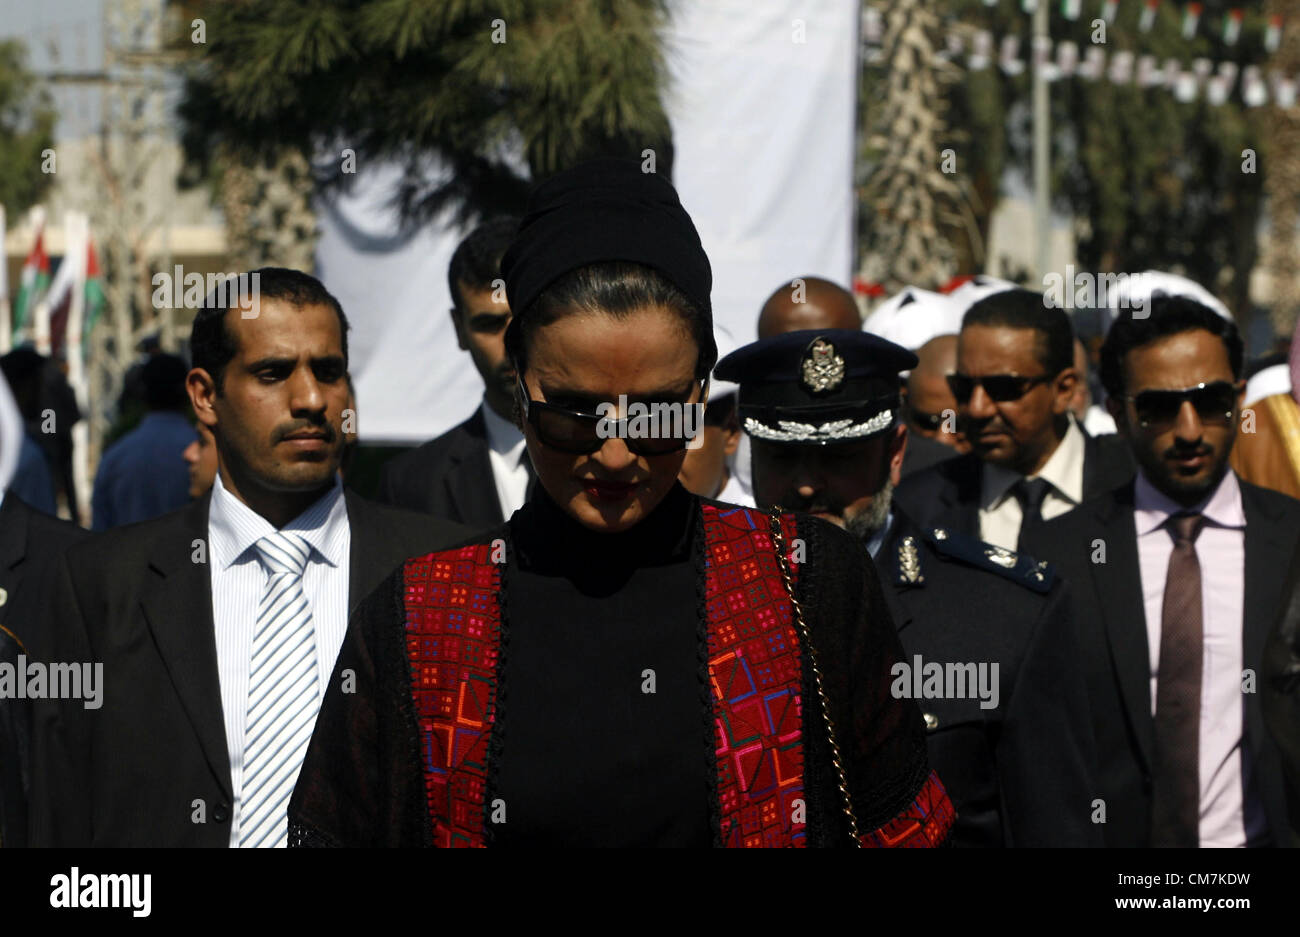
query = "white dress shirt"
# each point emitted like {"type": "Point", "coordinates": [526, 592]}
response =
{"type": "Point", "coordinates": [506, 450]}
{"type": "Point", "coordinates": [1221, 553]}
{"type": "Point", "coordinates": [733, 492]}
{"type": "Point", "coordinates": [1000, 513]}
{"type": "Point", "coordinates": [238, 581]}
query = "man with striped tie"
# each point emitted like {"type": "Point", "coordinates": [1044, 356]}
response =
{"type": "Point", "coordinates": [218, 625]}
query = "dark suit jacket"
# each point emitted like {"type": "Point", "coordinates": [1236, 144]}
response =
{"type": "Point", "coordinates": [923, 452]}
{"type": "Point", "coordinates": [30, 541]}
{"type": "Point", "coordinates": [1021, 773]}
{"type": "Point", "coordinates": [150, 767]}
{"type": "Point", "coordinates": [948, 494]}
{"type": "Point", "coordinates": [450, 477]}
{"type": "Point", "coordinates": [1279, 691]}
{"type": "Point", "coordinates": [1111, 620]}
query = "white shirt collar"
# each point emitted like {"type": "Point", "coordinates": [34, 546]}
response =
{"type": "Point", "coordinates": [234, 527]}
{"type": "Point", "coordinates": [504, 438]}
{"type": "Point", "coordinates": [1063, 470]}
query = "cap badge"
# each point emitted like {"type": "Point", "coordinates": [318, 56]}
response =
{"type": "Point", "coordinates": [822, 369]}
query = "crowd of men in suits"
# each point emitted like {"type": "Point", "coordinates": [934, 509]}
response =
{"type": "Point", "coordinates": [1140, 599]}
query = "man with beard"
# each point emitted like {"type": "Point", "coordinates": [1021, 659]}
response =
{"type": "Point", "coordinates": [1007, 721]}
{"type": "Point", "coordinates": [1178, 575]}
{"type": "Point", "coordinates": [215, 628]}
{"type": "Point", "coordinates": [477, 473]}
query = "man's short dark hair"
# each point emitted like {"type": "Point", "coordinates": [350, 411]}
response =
{"type": "Point", "coordinates": [212, 345]}
{"type": "Point", "coordinates": [163, 377]}
{"type": "Point", "coordinates": [1162, 316]}
{"type": "Point", "coordinates": [1025, 309]}
{"type": "Point", "coordinates": [477, 260]}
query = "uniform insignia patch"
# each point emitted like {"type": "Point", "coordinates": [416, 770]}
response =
{"type": "Point", "coordinates": [1002, 556]}
{"type": "Point", "coordinates": [909, 562]}
{"type": "Point", "coordinates": [1019, 568]}
{"type": "Point", "coordinates": [823, 369]}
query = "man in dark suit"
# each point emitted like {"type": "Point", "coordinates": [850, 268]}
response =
{"type": "Point", "coordinates": [1177, 581]}
{"type": "Point", "coordinates": [29, 543]}
{"type": "Point", "coordinates": [986, 631]}
{"type": "Point", "coordinates": [1280, 693]}
{"type": "Point", "coordinates": [1030, 460]}
{"type": "Point", "coordinates": [218, 625]}
{"type": "Point", "coordinates": [476, 473]}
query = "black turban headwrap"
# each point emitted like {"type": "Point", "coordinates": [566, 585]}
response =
{"type": "Point", "coordinates": [605, 210]}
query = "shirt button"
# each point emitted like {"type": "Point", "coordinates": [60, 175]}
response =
{"type": "Point", "coordinates": [221, 813]}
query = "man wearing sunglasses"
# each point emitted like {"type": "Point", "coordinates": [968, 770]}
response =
{"type": "Point", "coordinates": [1177, 581]}
{"type": "Point", "coordinates": [1030, 461]}
{"type": "Point", "coordinates": [823, 412]}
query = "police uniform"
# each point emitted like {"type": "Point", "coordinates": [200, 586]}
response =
{"type": "Point", "coordinates": [1013, 743]}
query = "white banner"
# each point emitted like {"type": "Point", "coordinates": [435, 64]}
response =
{"type": "Point", "coordinates": [762, 104]}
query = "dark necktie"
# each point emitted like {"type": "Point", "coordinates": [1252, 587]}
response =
{"type": "Point", "coordinates": [1030, 492]}
{"type": "Point", "coordinates": [1176, 793]}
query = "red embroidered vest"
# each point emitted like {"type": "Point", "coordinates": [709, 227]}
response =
{"type": "Point", "coordinates": [453, 626]}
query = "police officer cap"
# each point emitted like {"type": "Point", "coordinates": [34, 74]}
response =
{"type": "Point", "coordinates": [817, 386]}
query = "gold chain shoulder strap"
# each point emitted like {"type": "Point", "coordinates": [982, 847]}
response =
{"type": "Point", "coordinates": [778, 538]}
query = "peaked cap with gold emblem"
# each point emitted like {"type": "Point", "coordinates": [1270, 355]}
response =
{"type": "Point", "coordinates": [817, 386]}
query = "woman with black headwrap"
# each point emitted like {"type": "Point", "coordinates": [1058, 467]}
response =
{"type": "Point", "coordinates": [621, 663]}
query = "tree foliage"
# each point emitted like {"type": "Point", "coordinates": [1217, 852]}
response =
{"type": "Point", "coordinates": [27, 121]}
{"type": "Point", "coordinates": [467, 85]}
{"type": "Point", "coordinates": [1151, 182]}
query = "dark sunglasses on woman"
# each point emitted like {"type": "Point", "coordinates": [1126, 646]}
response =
{"type": "Point", "coordinates": [580, 431]}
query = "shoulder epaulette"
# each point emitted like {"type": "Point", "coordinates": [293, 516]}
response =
{"type": "Point", "coordinates": [1018, 567]}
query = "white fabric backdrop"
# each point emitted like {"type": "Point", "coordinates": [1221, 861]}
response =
{"type": "Point", "coordinates": [763, 127]}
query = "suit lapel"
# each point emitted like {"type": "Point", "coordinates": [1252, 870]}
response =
{"type": "Point", "coordinates": [470, 484]}
{"type": "Point", "coordinates": [962, 501]}
{"type": "Point", "coordinates": [13, 533]}
{"type": "Point", "coordinates": [371, 556]}
{"type": "Point", "coordinates": [1118, 582]}
{"type": "Point", "coordinates": [1091, 470]}
{"type": "Point", "coordinates": [176, 599]}
{"type": "Point", "coordinates": [1269, 549]}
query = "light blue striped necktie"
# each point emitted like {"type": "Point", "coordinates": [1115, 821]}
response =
{"type": "Point", "coordinates": [282, 695]}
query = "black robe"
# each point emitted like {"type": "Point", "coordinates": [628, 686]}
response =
{"type": "Point", "coordinates": [603, 733]}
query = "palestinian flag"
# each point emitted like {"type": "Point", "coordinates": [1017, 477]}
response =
{"type": "Point", "coordinates": [95, 296]}
{"type": "Point", "coordinates": [60, 300]}
{"type": "Point", "coordinates": [35, 281]}
{"type": "Point", "coordinates": [1273, 34]}
{"type": "Point", "coordinates": [1148, 17]}
{"type": "Point", "coordinates": [1191, 19]}
{"type": "Point", "coordinates": [1232, 27]}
